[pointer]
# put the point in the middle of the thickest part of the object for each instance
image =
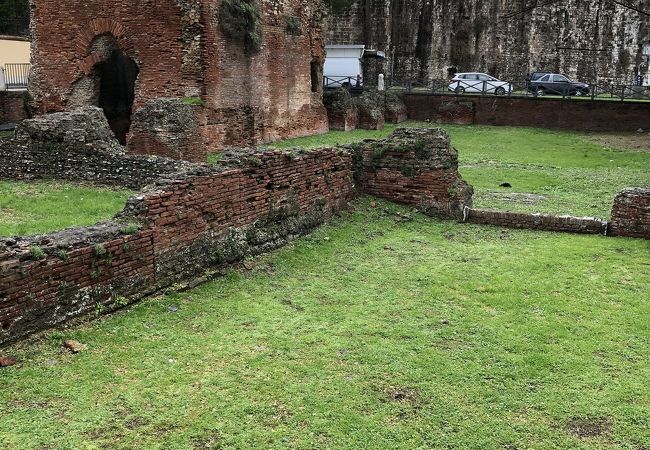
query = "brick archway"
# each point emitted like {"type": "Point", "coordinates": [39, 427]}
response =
{"type": "Point", "coordinates": [93, 30]}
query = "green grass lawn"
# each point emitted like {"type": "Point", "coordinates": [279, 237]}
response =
{"type": "Point", "coordinates": [560, 172]}
{"type": "Point", "coordinates": [369, 333]}
{"type": "Point", "coordinates": [44, 206]}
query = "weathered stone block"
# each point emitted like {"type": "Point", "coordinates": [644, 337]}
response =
{"type": "Point", "coordinates": [395, 110]}
{"type": "Point", "coordinates": [342, 113]}
{"type": "Point", "coordinates": [167, 127]}
{"type": "Point", "coordinates": [371, 110]}
{"type": "Point", "coordinates": [85, 126]}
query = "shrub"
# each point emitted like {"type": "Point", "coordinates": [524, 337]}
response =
{"type": "Point", "coordinates": [62, 255]}
{"type": "Point", "coordinates": [131, 228]}
{"type": "Point", "coordinates": [239, 19]}
{"type": "Point", "coordinates": [99, 250]}
{"type": "Point", "coordinates": [292, 26]}
{"type": "Point", "coordinates": [36, 252]}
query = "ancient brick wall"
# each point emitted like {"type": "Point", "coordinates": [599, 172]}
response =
{"type": "Point", "coordinates": [186, 225]}
{"type": "Point", "coordinates": [195, 217]}
{"type": "Point", "coordinates": [419, 168]}
{"type": "Point", "coordinates": [202, 217]}
{"type": "Point", "coordinates": [342, 113]}
{"type": "Point", "coordinates": [631, 214]}
{"type": "Point", "coordinates": [12, 107]}
{"type": "Point", "coordinates": [592, 41]}
{"type": "Point", "coordinates": [181, 52]}
{"type": "Point", "coordinates": [546, 222]}
{"type": "Point", "coordinates": [546, 113]}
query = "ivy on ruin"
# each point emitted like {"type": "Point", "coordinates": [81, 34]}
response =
{"type": "Point", "coordinates": [240, 19]}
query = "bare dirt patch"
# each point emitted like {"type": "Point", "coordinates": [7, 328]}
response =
{"type": "Point", "coordinates": [634, 141]}
{"type": "Point", "coordinates": [590, 426]}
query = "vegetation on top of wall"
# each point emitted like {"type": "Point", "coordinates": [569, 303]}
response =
{"type": "Point", "coordinates": [292, 26]}
{"type": "Point", "coordinates": [239, 19]}
{"type": "Point", "coordinates": [337, 6]}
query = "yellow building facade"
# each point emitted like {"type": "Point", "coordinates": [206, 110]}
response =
{"type": "Point", "coordinates": [14, 50]}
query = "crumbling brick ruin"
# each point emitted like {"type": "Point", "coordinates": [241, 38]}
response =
{"type": "Point", "coordinates": [189, 218]}
{"type": "Point", "coordinates": [181, 78]}
{"type": "Point", "coordinates": [594, 41]}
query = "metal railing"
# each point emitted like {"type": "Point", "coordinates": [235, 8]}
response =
{"type": "Point", "coordinates": [333, 82]}
{"type": "Point", "coordinates": [616, 92]}
{"type": "Point", "coordinates": [15, 76]}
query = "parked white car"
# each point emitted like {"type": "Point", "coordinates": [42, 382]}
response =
{"type": "Point", "coordinates": [477, 82]}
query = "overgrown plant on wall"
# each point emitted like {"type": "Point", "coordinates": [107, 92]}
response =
{"type": "Point", "coordinates": [337, 6]}
{"type": "Point", "coordinates": [292, 26]}
{"type": "Point", "coordinates": [239, 19]}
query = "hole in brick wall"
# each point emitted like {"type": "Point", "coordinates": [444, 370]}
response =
{"type": "Point", "coordinates": [315, 76]}
{"type": "Point", "coordinates": [117, 76]}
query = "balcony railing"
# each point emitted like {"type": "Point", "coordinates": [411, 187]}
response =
{"type": "Point", "coordinates": [15, 76]}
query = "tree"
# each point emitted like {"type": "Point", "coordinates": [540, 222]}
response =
{"type": "Point", "coordinates": [14, 17]}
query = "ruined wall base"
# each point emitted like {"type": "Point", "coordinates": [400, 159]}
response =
{"type": "Point", "coordinates": [545, 222]}
{"type": "Point", "coordinates": [631, 214]}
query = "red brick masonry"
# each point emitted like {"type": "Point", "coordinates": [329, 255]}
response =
{"type": "Point", "coordinates": [199, 217]}
{"type": "Point", "coordinates": [631, 214]}
{"type": "Point", "coordinates": [206, 217]}
{"type": "Point", "coordinates": [583, 225]}
{"type": "Point", "coordinates": [12, 107]}
{"type": "Point", "coordinates": [546, 113]}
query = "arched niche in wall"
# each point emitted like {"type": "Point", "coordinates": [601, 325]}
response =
{"type": "Point", "coordinates": [109, 74]}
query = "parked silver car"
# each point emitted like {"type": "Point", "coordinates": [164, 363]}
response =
{"type": "Point", "coordinates": [476, 82]}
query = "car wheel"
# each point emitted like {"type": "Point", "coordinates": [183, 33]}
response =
{"type": "Point", "coordinates": [500, 91]}
{"type": "Point", "coordinates": [541, 92]}
{"type": "Point", "coordinates": [460, 90]}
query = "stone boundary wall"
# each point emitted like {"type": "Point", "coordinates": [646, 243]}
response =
{"type": "Point", "coordinates": [581, 115]}
{"type": "Point", "coordinates": [631, 213]}
{"type": "Point", "coordinates": [200, 218]}
{"type": "Point", "coordinates": [12, 107]}
{"type": "Point", "coordinates": [546, 222]}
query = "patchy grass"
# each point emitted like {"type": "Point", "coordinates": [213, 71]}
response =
{"type": "Point", "coordinates": [558, 172]}
{"type": "Point", "coordinates": [43, 206]}
{"type": "Point", "coordinates": [370, 333]}
{"type": "Point", "coordinates": [6, 134]}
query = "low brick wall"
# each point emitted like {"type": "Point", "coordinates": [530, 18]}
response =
{"type": "Point", "coordinates": [631, 214]}
{"type": "Point", "coordinates": [187, 225]}
{"type": "Point", "coordinates": [201, 217]}
{"type": "Point", "coordinates": [12, 107]}
{"type": "Point", "coordinates": [546, 113]}
{"type": "Point", "coordinates": [193, 217]}
{"type": "Point", "coordinates": [546, 222]}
